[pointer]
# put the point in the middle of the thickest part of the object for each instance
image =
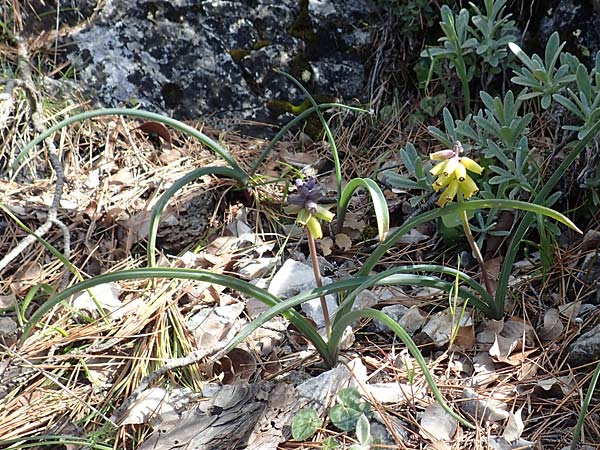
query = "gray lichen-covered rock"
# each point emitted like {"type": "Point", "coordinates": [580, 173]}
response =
{"type": "Point", "coordinates": [214, 58]}
{"type": "Point", "coordinates": [590, 273]}
{"type": "Point", "coordinates": [586, 348]}
{"type": "Point", "coordinates": [343, 16]}
{"type": "Point", "coordinates": [577, 23]}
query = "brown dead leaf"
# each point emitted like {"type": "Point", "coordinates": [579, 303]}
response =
{"type": "Point", "coordinates": [237, 365]}
{"type": "Point", "coordinates": [103, 296]}
{"type": "Point", "coordinates": [509, 351]}
{"type": "Point", "coordinates": [210, 326]}
{"type": "Point", "coordinates": [553, 327]}
{"type": "Point", "coordinates": [353, 223]}
{"type": "Point", "coordinates": [272, 365]}
{"type": "Point", "coordinates": [26, 276]}
{"type": "Point", "coordinates": [514, 427]}
{"type": "Point", "coordinates": [150, 403]}
{"type": "Point", "coordinates": [483, 407]}
{"type": "Point", "coordinates": [120, 179]}
{"type": "Point", "coordinates": [157, 129]}
{"type": "Point", "coordinates": [465, 338]}
{"type": "Point", "coordinates": [439, 328]}
{"type": "Point", "coordinates": [556, 387]}
{"type": "Point", "coordinates": [343, 241]}
{"type": "Point", "coordinates": [516, 327]}
{"type": "Point", "coordinates": [7, 301]}
{"type": "Point", "coordinates": [528, 368]}
{"type": "Point", "coordinates": [437, 424]}
{"type": "Point", "coordinates": [591, 240]}
{"type": "Point", "coordinates": [221, 245]}
{"type": "Point", "coordinates": [168, 156]}
{"type": "Point", "coordinates": [326, 245]}
{"type": "Point", "coordinates": [136, 226]}
{"type": "Point", "coordinates": [29, 272]}
{"type": "Point", "coordinates": [484, 370]}
{"type": "Point", "coordinates": [255, 307]}
{"type": "Point", "coordinates": [503, 347]}
{"type": "Point", "coordinates": [299, 159]}
{"type": "Point", "coordinates": [570, 310]}
{"type": "Point", "coordinates": [509, 345]}
{"type": "Point", "coordinates": [491, 329]}
{"type": "Point", "coordinates": [499, 443]}
{"type": "Point", "coordinates": [493, 267]}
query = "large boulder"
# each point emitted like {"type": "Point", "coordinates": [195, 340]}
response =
{"type": "Point", "coordinates": [215, 58]}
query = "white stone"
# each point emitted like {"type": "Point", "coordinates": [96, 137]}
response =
{"type": "Point", "coordinates": [294, 278]}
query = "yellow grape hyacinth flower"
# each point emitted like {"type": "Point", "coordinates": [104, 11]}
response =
{"type": "Point", "coordinates": [451, 173]}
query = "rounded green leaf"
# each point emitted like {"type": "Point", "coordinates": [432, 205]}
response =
{"type": "Point", "coordinates": [344, 417]}
{"type": "Point", "coordinates": [349, 409]}
{"type": "Point", "coordinates": [329, 444]}
{"type": "Point", "coordinates": [305, 424]}
{"type": "Point", "coordinates": [350, 397]}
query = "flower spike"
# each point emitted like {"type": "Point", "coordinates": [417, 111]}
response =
{"type": "Point", "coordinates": [304, 204]}
{"type": "Point", "coordinates": [452, 173]}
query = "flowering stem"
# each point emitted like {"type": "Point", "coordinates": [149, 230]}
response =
{"type": "Point", "coordinates": [315, 264]}
{"type": "Point", "coordinates": [484, 273]}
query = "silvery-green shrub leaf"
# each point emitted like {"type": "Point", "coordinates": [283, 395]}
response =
{"type": "Point", "coordinates": [363, 430]}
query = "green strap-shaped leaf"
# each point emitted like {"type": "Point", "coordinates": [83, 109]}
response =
{"type": "Point", "coordinates": [163, 200]}
{"type": "Point", "coordinates": [584, 408]}
{"type": "Point", "coordinates": [210, 143]}
{"type": "Point", "coordinates": [295, 121]}
{"type": "Point", "coordinates": [396, 279]}
{"type": "Point", "coordinates": [330, 138]}
{"type": "Point", "coordinates": [338, 330]}
{"type": "Point", "coordinates": [176, 273]}
{"type": "Point", "coordinates": [483, 303]}
{"type": "Point", "coordinates": [379, 204]}
{"type": "Point", "coordinates": [469, 205]}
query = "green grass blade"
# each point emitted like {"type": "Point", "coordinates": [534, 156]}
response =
{"type": "Point", "coordinates": [482, 303]}
{"type": "Point", "coordinates": [163, 200]}
{"type": "Point", "coordinates": [382, 213]}
{"type": "Point", "coordinates": [338, 330]}
{"type": "Point", "coordinates": [210, 143]}
{"type": "Point", "coordinates": [526, 206]}
{"type": "Point", "coordinates": [190, 274]}
{"type": "Point", "coordinates": [463, 277]}
{"type": "Point", "coordinates": [295, 121]}
{"type": "Point", "coordinates": [586, 403]}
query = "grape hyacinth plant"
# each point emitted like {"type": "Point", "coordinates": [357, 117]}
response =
{"type": "Point", "coordinates": [309, 212]}
{"type": "Point", "coordinates": [452, 174]}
